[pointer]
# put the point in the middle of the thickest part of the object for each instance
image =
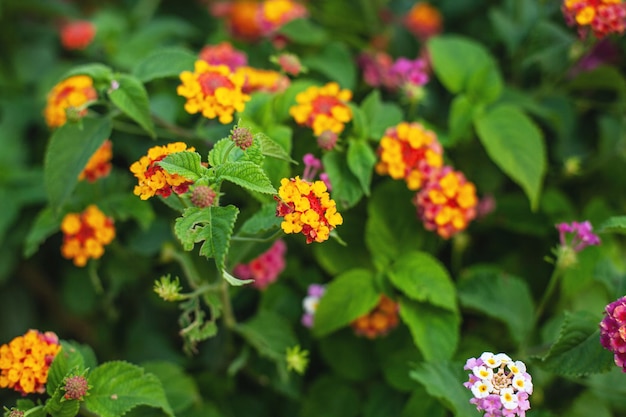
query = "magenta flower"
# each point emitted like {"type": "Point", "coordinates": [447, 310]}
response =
{"type": "Point", "coordinates": [613, 331]}
{"type": "Point", "coordinates": [581, 238]}
{"type": "Point", "coordinates": [265, 268]}
{"type": "Point", "coordinates": [406, 71]}
{"type": "Point", "coordinates": [312, 166]}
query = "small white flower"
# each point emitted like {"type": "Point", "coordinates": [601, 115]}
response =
{"type": "Point", "coordinates": [310, 304]}
{"type": "Point", "coordinates": [517, 367]}
{"type": "Point", "coordinates": [508, 398]}
{"type": "Point", "coordinates": [490, 359]}
{"type": "Point", "coordinates": [481, 389]}
{"type": "Point", "coordinates": [504, 358]}
{"type": "Point", "coordinates": [483, 372]}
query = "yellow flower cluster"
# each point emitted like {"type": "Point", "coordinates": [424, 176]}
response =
{"type": "Point", "coordinates": [409, 151]}
{"type": "Point", "coordinates": [323, 108]}
{"type": "Point", "coordinates": [153, 180]}
{"type": "Point", "coordinates": [275, 13]}
{"type": "Point", "coordinates": [85, 235]}
{"type": "Point", "coordinates": [70, 96]}
{"type": "Point", "coordinates": [213, 90]}
{"type": "Point", "coordinates": [307, 208]}
{"type": "Point", "coordinates": [25, 361]}
{"type": "Point", "coordinates": [262, 80]}
{"type": "Point", "coordinates": [99, 165]}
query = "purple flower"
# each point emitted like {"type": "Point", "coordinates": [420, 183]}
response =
{"type": "Point", "coordinates": [410, 71]}
{"type": "Point", "coordinates": [582, 235]}
{"type": "Point", "coordinates": [613, 331]}
{"type": "Point", "coordinates": [310, 303]}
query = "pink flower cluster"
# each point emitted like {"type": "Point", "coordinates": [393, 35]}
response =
{"type": "Point", "coordinates": [500, 386]}
{"type": "Point", "coordinates": [224, 54]}
{"type": "Point", "coordinates": [312, 166]}
{"type": "Point", "coordinates": [613, 331]}
{"type": "Point", "coordinates": [581, 238]}
{"type": "Point", "coordinates": [265, 268]}
{"type": "Point", "coordinates": [403, 73]}
{"type": "Point", "coordinates": [310, 303]}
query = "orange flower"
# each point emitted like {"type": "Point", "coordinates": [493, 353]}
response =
{"type": "Point", "coordinates": [77, 34]}
{"type": "Point", "coordinates": [307, 208]}
{"type": "Point", "coordinates": [275, 13]}
{"type": "Point", "coordinates": [25, 361]}
{"type": "Point", "coordinates": [262, 80]}
{"type": "Point", "coordinates": [323, 108]}
{"type": "Point", "coordinates": [99, 165]}
{"type": "Point", "coordinates": [213, 91]}
{"type": "Point", "coordinates": [423, 20]}
{"type": "Point", "coordinates": [86, 234]}
{"type": "Point", "coordinates": [602, 16]}
{"type": "Point", "coordinates": [411, 152]}
{"type": "Point", "coordinates": [243, 19]}
{"type": "Point", "coordinates": [447, 203]}
{"type": "Point", "coordinates": [153, 180]}
{"type": "Point", "coordinates": [70, 97]}
{"type": "Point", "coordinates": [379, 321]}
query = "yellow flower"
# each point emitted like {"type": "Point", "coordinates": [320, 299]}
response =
{"type": "Point", "coordinates": [323, 108]}
{"type": "Point", "coordinates": [213, 90]}
{"type": "Point", "coordinates": [275, 13]}
{"type": "Point", "coordinates": [307, 208]}
{"type": "Point", "coordinates": [72, 96]}
{"type": "Point", "coordinates": [153, 180]}
{"type": "Point", "coordinates": [86, 234]}
{"type": "Point", "coordinates": [409, 151]}
{"type": "Point", "coordinates": [262, 80]}
{"type": "Point", "coordinates": [25, 361]}
{"type": "Point", "coordinates": [99, 165]}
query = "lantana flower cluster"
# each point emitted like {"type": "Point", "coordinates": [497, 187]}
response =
{"type": "Point", "coordinates": [69, 99]}
{"type": "Point", "coordinates": [99, 165]}
{"type": "Point", "coordinates": [306, 207]}
{"type": "Point", "coordinates": [310, 303]}
{"type": "Point", "coordinates": [323, 108]}
{"type": "Point", "coordinates": [265, 268]}
{"type": "Point", "coordinates": [423, 20]}
{"type": "Point", "coordinates": [77, 34]}
{"type": "Point", "coordinates": [25, 361]}
{"type": "Point", "coordinates": [573, 238]}
{"type": "Point", "coordinates": [379, 321]}
{"type": "Point", "coordinates": [154, 180]}
{"type": "Point", "coordinates": [602, 17]}
{"type": "Point", "coordinates": [407, 75]}
{"type": "Point", "coordinates": [613, 331]}
{"type": "Point", "coordinates": [501, 386]}
{"type": "Point", "coordinates": [85, 235]}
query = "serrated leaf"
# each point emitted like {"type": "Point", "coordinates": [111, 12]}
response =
{"type": "Point", "coordinates": [269, 333]}
{"type": "Point", "coordinates": [516, 145]}
{"type": "Point", "coordinates": [118, 387]}
{"type": "Point", "coordinates": [441, 380]}
{"type": "Point", "coordinates": [131, 98]}
{"type": "Point", "coordinates": [361, 160]}
{"type": "Point", "coordinates": [181, 389]}
{"type": "Point", "coordinates": [423, 278]}
{"type": "Point", "coordinates": [68, 152]}
{"type": "Point", "coordinates": [187, 164]}
{"type": "Point", "coordinates": [435, 331]}
{"type": "Point", "coordinates": [45, 224]}
{"type": "Point", "coordinates": [235, 282]}
{"type": "Point", "coordinates": [578, 351]}
{"type": "Point", "coordinates": [56, 406]}
{"type": "Point", "coordinates": [498, 295]}
{"type": "Point", "coordinates": [262, 221]}
{"type": "Point", "coordinates": [211, 225]}
{"type": "Point", "coordinates": [222, 149]}
{"type": "Point", "coordinates": [246, 174]}
{"type": "Point", "coordinates": [166, 62]}
{"type": "Point", "coordinates": [339, 306]}
{"type": "Point", "coordinates": [380, 115]}
{"type": "Point", "coordinates": [616, 224]}
{"type": "Point", "coordinates": [273, 149]}
{"type": "Point", "coordinates": [69, 359]}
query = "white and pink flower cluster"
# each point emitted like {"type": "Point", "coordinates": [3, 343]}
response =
{"type": "Point", "coordinates": [501, 386]}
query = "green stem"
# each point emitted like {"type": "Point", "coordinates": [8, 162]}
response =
{"type": "Point", "coordinates": [227, 309]}
{"type": "Point", "coordinates": [230, 148]}
{"type": "Point", "coordinates": [552, 284]}
{"type": "Point", "coordinates": [33, 410]}
{"type": "Point", "coordinates": [256, 239]}
{"type": "Point", "coordinates": [95, 278]}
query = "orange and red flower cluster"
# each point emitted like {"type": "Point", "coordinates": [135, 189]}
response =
{"type": "Point", "coordinates": [99, 165]}
{"type": "Point", "coordinates": [213, 90]}
{"type": "Point", "coordinates": [323, 108]}
{"type": "Point", "coordinates": [423, 20]}
{"type": "Point", "coordinates": [69, 98]}
{"type": "Point", "coordinates": [306, 207]}
{"type": "Point", "coordinates": [154, 180]}
{"type": "Point", "coordinates": [25, 361]}
{"type": "Point", "coordinates": [446, 202]}
{"type": "Point", "coordinates": [379, 321]}
{"type": "Point", "coordinates": [85, 235]}
{"type": "Point", "coordinates": [77, 34]}
{"type": "Point", "coordinates": [601, 16]}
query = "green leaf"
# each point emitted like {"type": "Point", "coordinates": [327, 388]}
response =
{"type": "Point", "coordinates": [515, 144]}
{"type": "Point", "coordinates": [224, 150]}
{"type": "Point", "coordinates": [68, 152]}
{"type": "Point", "coordinates": [335, 62]}
{"type": "Point", "coordinates": [269, 333]}
{"type": "Point", "coordinates": [235, 282]}
{"type": "Point", "coordinates": [435, 331]}
{"type": "Point", "coordinates": [616, 224]}
{"type": "Point", "coordinates": [187, 164]}
{"type": "Point", "coordinates": [442, 381]}
{"type": "Point", "coordinates": [45, 224]}
{"type": "Point", "coordinates": [180, 389]}
{"type": "Point", "coordinates": [246, 174]}
{"type": "Point", "coordinates": [349, 357]}
{"type": "Point", "coordinates": [498, 295]}
{"type": "Point", "coordinates": [58, 406]}
{"type": "Point", "coordinates": [330, 397]}
{"type": "Point", "coordinates": [578, 351]}
{"type": "Point", "coordinates": [460, 119]}
{"type": "Point", "coordinates": [347, 190]}
{"type": "Point", "coordinates": [423, 278]}
{"type": "Point", "coordinates": [304, 32]}
{"type": "Point", "coordinates": [380, 115]}
{"type": "Point", "coordinates": [361, 160]}
{"type": "Point", "coordinates": [69, 359]}
{"type": "Point", "coordinates": [360, 125]}
{"type": "Point", "coordinates": [118, 387]}
{"type": "Point", "coordinates": [98, 72]}
{"type": "Point", "coordinates": [166, 62]}
{"type": "Point", "coordinates": [464, 65]}
{"type": "Point", "coordinates": [213, 225]}
{"type": "Point", "coordinates": [262, 221]}
{"type": "Point", "coordinates": [132, 99]}
{"type": "Point", "coordinates": [339, 306]}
